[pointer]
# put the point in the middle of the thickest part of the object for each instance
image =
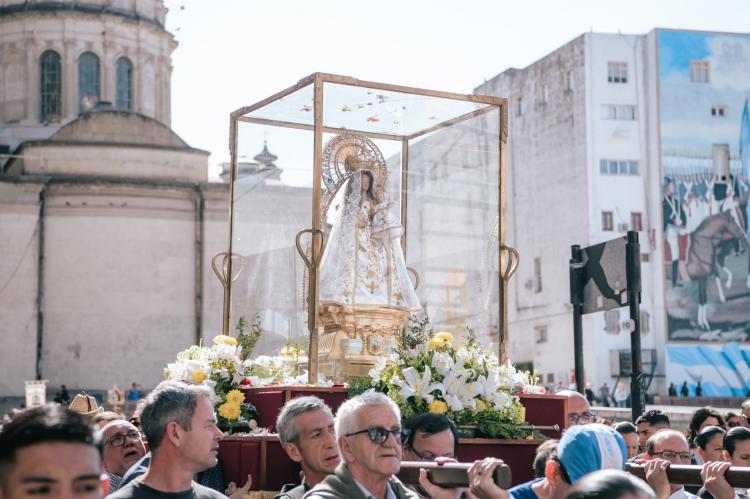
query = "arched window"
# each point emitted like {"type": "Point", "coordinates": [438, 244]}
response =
{"type": "Point", "coordinates": [50, 85]}
{"type": "Point", "coordinates": [124, 70]}
{"type": "Point", "coordinates": [88, 81]}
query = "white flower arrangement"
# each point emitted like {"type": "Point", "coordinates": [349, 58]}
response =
{"type": "Point", "coordinates": [467, 383]}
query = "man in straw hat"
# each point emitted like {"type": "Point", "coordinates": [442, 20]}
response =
{"type": "Point", "coordinates": [85, 404]}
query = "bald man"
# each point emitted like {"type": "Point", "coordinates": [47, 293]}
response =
{"type": "Point", "coordinates": [579, 410]}
{"type": "Point", "coordinates": [668, 447]}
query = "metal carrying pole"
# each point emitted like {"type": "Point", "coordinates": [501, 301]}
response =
{"type": "Point", "coordinates": [633, 272]}
{"type": "Point", "coordinates": [576, 299]}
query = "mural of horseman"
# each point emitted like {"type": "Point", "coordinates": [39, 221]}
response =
{"type": "Point", "coordinates": [710, 244]}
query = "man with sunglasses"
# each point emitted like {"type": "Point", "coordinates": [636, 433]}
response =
{"type": "Point", "coordinates": [123, 447]}
{"type": "Point", "coordinates": [368, 430]}
{"type": "Point", "coordinates": [579, 410]}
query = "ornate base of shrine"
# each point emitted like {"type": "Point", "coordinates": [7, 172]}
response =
{"type": "Point", "coordinates": [355, 337]}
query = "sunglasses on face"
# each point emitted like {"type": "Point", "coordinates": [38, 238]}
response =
{"type": "Point", "coordinates": [379, 435]}
{"type": "Point", "coordinates": [118, 439]}
{"type": "Point", "coordinates": [583, 418]}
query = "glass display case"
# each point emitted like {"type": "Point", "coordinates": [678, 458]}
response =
{"type": "Point", "coordinates": [379, 202]}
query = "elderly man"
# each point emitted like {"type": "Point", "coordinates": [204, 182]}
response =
{"type": "Point", "coordinates": [668, 447]}
{"type": "Point", "coordinates": [368, 428]}
{"type": "Point", "coordinates": [50, 451]}
{"type": "Point", "coordinates": [648, 424]}
{"type": "Point", "coordinates": [180, 425]}
{"type": "Point", "coordinates": [123, 447]}
{"type": "Point", "coordinates": [306, 431]}
{"type": "Point", "coordinates": [579, 410]}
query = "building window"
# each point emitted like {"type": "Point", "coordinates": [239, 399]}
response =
{"type": "Point", "coordinates": [570, 81]}
{"type": "Point", "coordinates": [537, 275]}
{"type": "Point", "coordinates": [718, 111]}
{"type": "Point", "coordinates": [612, 321]}
{"type": "Point", "coordinates": [618, 167]}
{"type": "Point", "coordinates": [617, 72]}
{"type": "Point", "coordinates": [545, 94]}
{"type": "Point", "coordinates": [645, 257]}
{"type": "Point", "coordinates": [607, 223]}
{"type": "Point", "coordinates": [50, 86]}
{"type": "Point", "coordinates": [540, 334]}
{"type": "Point", "coordinates": [88, 81]}
{"type": "Point", "coordinates": [636, 221]}
{"type": "Point", "coordinates": [645, 322]}
{"type": "Point", "coordinates": [124, 70]}
{"type": "Point", "coordinates": [614, 112]}
{"type": "Point", "coordinates": [520, 106]}
{"type": "Point", "coordinates": [700, 72]}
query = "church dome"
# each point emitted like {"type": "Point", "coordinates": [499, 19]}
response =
{"type": "Point", "coordinates": [118, 127]}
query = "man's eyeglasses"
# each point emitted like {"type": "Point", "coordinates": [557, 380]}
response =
{"type": "Point", "coordinates": [583, 418]}
{"type": "Point", "coordinates": [378, 434]}
{"type": "Point", "coordinates": [428, 456]}
{"type": "Point", "coordinates": [670, 454]}
{"type": "Point", "coordinates": [118, 439]}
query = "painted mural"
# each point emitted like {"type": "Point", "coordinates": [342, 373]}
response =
{"type": "Point", "coordinates": [704, 86]}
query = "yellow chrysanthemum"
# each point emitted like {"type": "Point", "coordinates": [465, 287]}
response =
{"type": "Point", "coordinates": [235, 397]}
{"type": "Point", "coordinates": [481, 405]}
{"type": "Point", "coordinates": [435, 343]}
{"type": "Point", "coordinates": [446, 337]}
{"type": "Point", "coordinates": [225, 340]}
{"type": "Point", "coordinates": [229, 411]}
{"type": "Point", "coordinates": [438, 407]}
{"type": "Point", "coordinates": [198, 376]}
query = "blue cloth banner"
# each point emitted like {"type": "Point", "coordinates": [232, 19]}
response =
{"type": "Point", "coordinates": [723, 370]}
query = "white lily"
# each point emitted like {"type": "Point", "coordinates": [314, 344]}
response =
{"type": "Point", "coordinates": [377, 369]}
{"type": "Point", "coordinates": [442, 362]}
{"type": "Point", "coordinates": [454, 403]}
{"type": "Point", "coordinates": [416, 385]}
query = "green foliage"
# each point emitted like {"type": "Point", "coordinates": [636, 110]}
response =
{"type": "Point", "coordinates": [359, 385]}
{"type": "Point", "coordinates": [247, 339]}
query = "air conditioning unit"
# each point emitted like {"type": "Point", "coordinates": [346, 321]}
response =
{"type": "Point", "coordinates": [622, 227]}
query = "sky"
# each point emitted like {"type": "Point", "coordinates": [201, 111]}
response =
{"type": "Point", "coordinates": [233, 53]}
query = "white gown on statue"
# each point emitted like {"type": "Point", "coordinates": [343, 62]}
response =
{"type": "Point", "coordinates": [363, 264]}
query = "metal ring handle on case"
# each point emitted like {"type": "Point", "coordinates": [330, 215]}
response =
{"type": "Point", "coordinates": [222, 274]}
{"type": "Point", "coordinates": [512, 261]}
{"type": "Point", "coordinates": [297, 241]}
{"type": "Point", "coordinates": [417, 280]}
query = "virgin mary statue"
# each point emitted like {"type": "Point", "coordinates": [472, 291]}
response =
{"type": "Point", "coordinates": [363, 266]}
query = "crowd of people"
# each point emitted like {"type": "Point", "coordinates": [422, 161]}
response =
{"type": "Point", "coordinates": [169, 448]}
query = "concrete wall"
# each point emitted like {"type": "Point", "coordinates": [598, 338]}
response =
{"type": "Point", "coordinates": [19, 212]}
{"type": "Point", "coordinates": [119, 281]}
{"type": "Point", "coordinates": [547, 195]}
{"type": "Point", "coordinates": [620, 194]}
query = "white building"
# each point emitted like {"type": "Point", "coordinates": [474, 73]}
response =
{"type": "Point", "coordinates": [592, 125]}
